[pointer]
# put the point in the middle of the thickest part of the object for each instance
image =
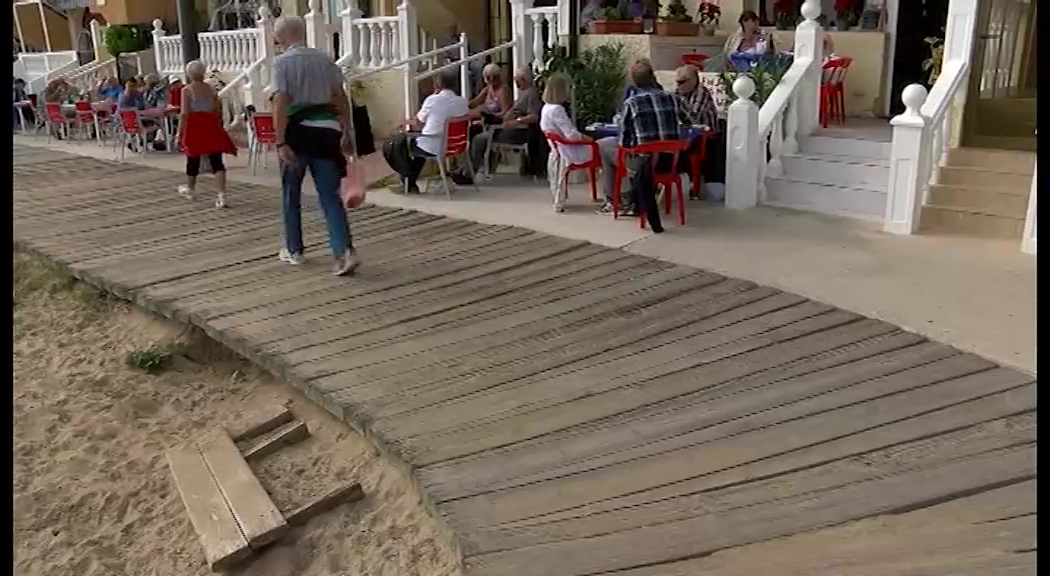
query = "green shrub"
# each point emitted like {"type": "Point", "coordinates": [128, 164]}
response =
{"type": "Point", "coordinates": [151, 360]}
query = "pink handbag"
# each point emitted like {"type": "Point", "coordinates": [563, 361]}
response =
{"type": "Point", "coordinates": [352, 187]}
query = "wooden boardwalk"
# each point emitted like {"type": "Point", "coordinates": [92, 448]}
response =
{"type": "Point", "coordinates": [569, 409]}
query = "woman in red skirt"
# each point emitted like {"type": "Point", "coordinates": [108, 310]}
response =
{"type": "Point", "coordinates": [201, 133]}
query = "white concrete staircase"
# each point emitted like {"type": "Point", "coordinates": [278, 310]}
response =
{"type": "Point", "coordinates": [981, 193]}
{"type": "Point", "coordinates": [833, 175]}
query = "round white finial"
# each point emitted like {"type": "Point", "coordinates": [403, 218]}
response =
{"type": "Point", "coordinates": [158, 25]}
{"type": "Point", "coordinates": [265, 12]}
{"type": "Point", "coordinates": [914, 96]}
{"type": "Point", "coordinates": [315, 5]}
{"type": "Point", "coordinates": [744, 87]}
{"type": "Point", "coordinates": [811, 10]}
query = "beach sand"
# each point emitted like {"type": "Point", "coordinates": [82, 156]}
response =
{"type": "Point", "coordinates": [93, 495]}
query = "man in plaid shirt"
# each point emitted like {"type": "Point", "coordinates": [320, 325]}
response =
{"type": "Point", "coordinates": [650, 115]}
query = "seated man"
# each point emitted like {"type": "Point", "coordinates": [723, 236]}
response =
{"type": "Point", "coordinates": [407, 156]}
{"type": "Point", "coordinates": [651, 115]}
{"type": "Point", "coordinates": [608, 147]}
{"type": "Point", "coordinates": [523, 115]}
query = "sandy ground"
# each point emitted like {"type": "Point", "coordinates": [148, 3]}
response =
{"type": "Point", "coordinates": [93, 495]}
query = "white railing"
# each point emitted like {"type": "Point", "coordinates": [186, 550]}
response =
{"type": "Point", "coordinates": [537, 21]}
{"type": "Point", "coordinates": [428, 43]}
{"type": "Point", "coordinates": [253, 82]}
{"type": "Point", "coordinates": [229, 50]}
{"type": "Point", "coordinates": [38, 68]}
{"type": "Point", "coordinates": [377, 42]}
{"type": "Point", "coordinates": [922, 135]}
{"type": "Point", "coordinates": [790, 111]}
{"type": "Point", "coordinates": [168, 51]}
{"type": "Point", "coordinates": [87, 77]}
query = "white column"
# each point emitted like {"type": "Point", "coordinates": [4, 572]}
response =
{"type": "Point", "coordinates": [564, 20]}
{"type": "Point", "coordinates": [464, 69]}
{"type": "Point", "coordinates": [158, 51]}
{"type": "Point", "coordinates": [809, 43]}
{"type": "Point", "coordinates": [521, 30]}
{"type": "Point", "coordinates": [908, 173]}
{"type": "Point", "coordinates": [18, 26]}
{"type": "Point", "coordinates": [407, 25]}
{"type": "Point", "coordinates": [351, 44]}
{"type": "Point", "coordinates": [1028, 241]}
{"type": "Point", "coordinates": [316, 28]}
{"type": "Point", "coordinates": [261, 77]}
{"type": "Point", "coordinates": [743, 149]}
{"type": "Point", "coordinates": [43, 24]}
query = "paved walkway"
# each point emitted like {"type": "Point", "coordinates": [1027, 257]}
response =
{"type": "Point", "coordinates": [569, 409]}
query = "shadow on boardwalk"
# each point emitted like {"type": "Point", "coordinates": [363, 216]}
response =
{"type": "Point", "coordinates": [569, 409]}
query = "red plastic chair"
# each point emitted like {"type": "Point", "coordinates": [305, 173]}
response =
{"type": "Point", "coordinates": [86, 118]}
{"type": "Point", "coordinates": [694, 60]}
{"type": "Point", "coordinates": [175, 95]}
{"type": "Point", "coordinates": [696, 159]}
{"type": "Point", "coordinates": [454, 143]}
{"type": "Point", "coordinates": [55, 117]}
{"type": "Point", "coordinates": [131, 130]}
{"type": "Point", "coordinates": [591, 166]}
{"type": "Point", "coordinates": [832, 90]}
{"type": "Point", "coordinates": [671, 181]}
{"type": "Point", "coordinates": [263, 138]}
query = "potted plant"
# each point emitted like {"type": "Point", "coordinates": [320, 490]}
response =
{"type": "Point", "coordinates": [708, 14]}
{"type": "Point", "coordinates": [613, 21]}
{"type": "Point", "coordinates": [598, 75]}
{"type": "Point", "coordinates": [933, 63]}
{"type": "Point", "coordinates": [676, 21]}
{"type": "Point", "coordinates": [125, 39]}
{"type": "Point", "coordinates": [845, 15]}
{"type": "Point", "coordinates": [766, 73]}
{"type": "Point", "coordinates": [785, 13]}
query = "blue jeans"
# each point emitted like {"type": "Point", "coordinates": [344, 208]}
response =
{"type": "Point", "coordinates": [325, 174]}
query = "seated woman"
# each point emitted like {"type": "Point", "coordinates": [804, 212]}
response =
{"type": "Point", "coordinates": [745, 43]}
{"type": "Point", "coordinates": [109, 89]}
{"type": "Point", "coordinates": [132, 97]}
{"type": "Point", "coordinates": [514, 126]}
{"type": "Point", "coordinates": [553, 118]}
{"type": "Point", "coordinates": [494, 99]}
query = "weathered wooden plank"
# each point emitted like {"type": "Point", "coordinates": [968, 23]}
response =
{"type": "Point", "coordinates": [257, 517]}
{"type": "Point", "coordinates": [224, 544]}
{"type": "Point", "coordinates": [269, 418]}
{"type": "Point", "coordinates": [272, 441]}
{"type": "Point", "coordinates": [341, 495]}
{"type": "Point", "coordinates": [712, 532]}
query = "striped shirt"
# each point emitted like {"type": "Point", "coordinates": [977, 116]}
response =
{"type": "Point", "coordinates": [307, 76]}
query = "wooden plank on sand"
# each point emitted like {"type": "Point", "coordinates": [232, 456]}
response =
{"type": "Point", "coordinates": [274, 440]}
{"type": "Point", "coordinates": [254, 511]}
{"type": "Point", "coordinates": [348, 493]}
{"type": "Point", "coordinates": [223, 542]}
{"type": "Point", "coordinates": [273, 416]}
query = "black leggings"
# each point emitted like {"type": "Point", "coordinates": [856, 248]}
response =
{"type": "Point", "coordinates": [193, 164]}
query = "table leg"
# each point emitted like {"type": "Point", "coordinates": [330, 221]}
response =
{"type": "Point", "coordinates": [22, 119]}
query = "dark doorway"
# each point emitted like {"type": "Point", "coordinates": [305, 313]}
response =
{"type": "Point", "coordinates": [916, 21]}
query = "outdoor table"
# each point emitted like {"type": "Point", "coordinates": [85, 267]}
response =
{"type": "Point", "coordinates": [164, 114]}
{"type": "Point", "coordinates": [603, 130]}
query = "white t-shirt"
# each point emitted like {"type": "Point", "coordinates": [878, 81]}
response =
{"type": "Point", "coordinates": [554, 119]}
{"type": "Point", "coordinates": [434, 113]}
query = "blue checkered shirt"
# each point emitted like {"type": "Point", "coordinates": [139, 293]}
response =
{"type": "Point", "coordinates": [653, 115]}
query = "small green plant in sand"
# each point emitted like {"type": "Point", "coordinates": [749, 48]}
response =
{"type": "Point", "coordinates": [152, 360]}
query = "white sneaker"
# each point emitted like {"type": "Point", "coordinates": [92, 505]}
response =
{"type": "Point", "coordinates": [293, 259]}
{"type": "Point", "coordinates": [185, 192]}
{"type": "Point", "coordinates": [346, 264]}
{"type": "Point", "coordinates": [220, 201]}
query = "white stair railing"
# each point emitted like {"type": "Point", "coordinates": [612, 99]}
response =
{"type": "Point", "coordinates": [225, 51]}
{"type": "Point", "coordinates": [540, 22]}
{"type": "Point", "coordinates": [788, 113]}
{"type": "Point", "coordinates": [922, 135]}
{"type": "Point", "coordinates": [38, 68]}
{"type": "Point", "coordinates": [377, 42]}
{"type": "Point", "coordinates": [86, 78]}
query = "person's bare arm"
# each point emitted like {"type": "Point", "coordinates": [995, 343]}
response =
{"type": "Point", "coordinates": [281, 101]}
{"type": "Point", "coordinates": [479, 99]}
{"type": "Point", "coordinates": [184, 111]}
{"type": "Point", "coordinates": [505, 101]}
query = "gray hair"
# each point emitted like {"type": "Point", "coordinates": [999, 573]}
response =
{"type": "Point", "coordinates": [491, 70]}
{"type": "Point", "coordinates": [195, 70]}
{"type": "Point", "coordinates": [290, 27]}
{"type": "Point", "coordinates": [524, 73]}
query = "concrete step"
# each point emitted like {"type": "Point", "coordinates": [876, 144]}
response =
{"type": "Point", "coordinates": [980, 199]}
{"type": "Point", "coordinates": [834, 146]}
{"type": "Point", "coordinates": [1004, 161]}
{"type": "Point", "coordinates": [838, 168]}
{"type": "Point", "coordinates": [840, 199]}
{"type": "Point", "coordinates": [1005, 182]}
{"type": "Point", "coordinates": [983, 223]}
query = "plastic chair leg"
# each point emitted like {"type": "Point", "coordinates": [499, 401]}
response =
{"type": "Point", "coordinates": [444, 178]}
{"type": "Point", "coordinates": [593, 173]}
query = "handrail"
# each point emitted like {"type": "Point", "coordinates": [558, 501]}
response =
{"type": "Point", "coordinates": [458, 63]}
{"type": "Point", "coordinates": [374, 20]}
{"type": "Point", "coordinates": [941, 96]}
{"type": "Point", "coordinates": [344, 61]}
{"type": "Point", "coordinates": [781, 95]}
{"type": "Point", "coordinates": [244, 75]}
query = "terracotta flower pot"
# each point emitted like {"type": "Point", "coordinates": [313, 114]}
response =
{"type": "Point", "coordinates": [677, 28]}
{"type": "Point", "coordinates": [616, 27]}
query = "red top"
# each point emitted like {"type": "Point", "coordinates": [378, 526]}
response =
{"type": "Point", "coordinates": [203, 134]}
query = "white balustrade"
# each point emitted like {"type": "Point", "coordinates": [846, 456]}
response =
{"type": "Point", "coordinates": [772, 131]}
{"type": "Point", "coordinates": [922, 135]}
{"type": "Point", "coordinates": [540, 19]}
{"type": "Point", "coordinates": [87, 77]}
{"type": "Point", "coordinates": [229, 50]}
